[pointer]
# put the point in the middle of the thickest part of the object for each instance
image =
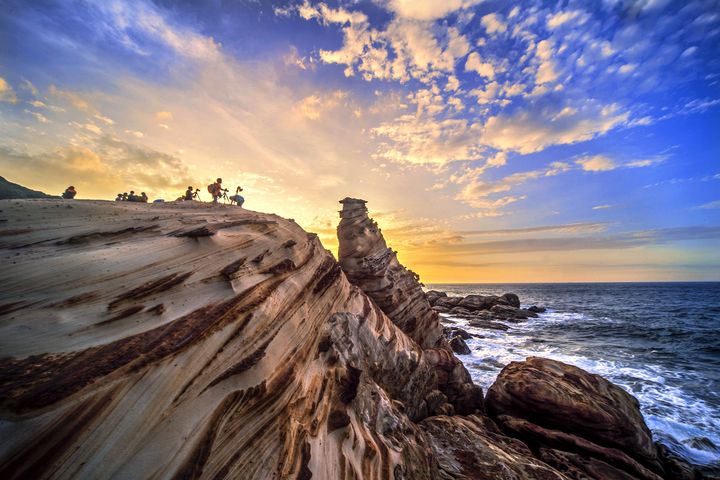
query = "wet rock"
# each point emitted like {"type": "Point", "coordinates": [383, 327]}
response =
{"type": "Point", "coordinates": [447, 302]}
{"type": "Point", "coordinates": [461, 312]}
{"type": "Point", "coordinates": [675, 467]}
{"type": "Point", "coordinates": [433, 295]}
{"type": "Point", "coordinates": [512, 299]}
{"type": "Point", "coordinates": [488, 324]}
{"type": "Point", "coordinates": [457, 331]}
{"type": "Point", "coordinates": [562, 398]}
{"type": "Point", "coordinates": [440, 309]}
{"type": "Point", "coordinates": [536, 309]}
{"type": "Point", "coordinates": [472, 448]}
{"type": "Point", "coordinates": [459, 346]}
{"type": "Point", "coordinates": [478, 302]}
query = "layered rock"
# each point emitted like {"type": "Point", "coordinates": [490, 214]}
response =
{"type": "Point", "coordinates": [574, 418]}
{"type": "Point", "coordinates": [482, 308]}
{"type": "Point", "coordinates": [372, 266]}
{"type": "Point", "coordinates": [133, 348]}
{"type": "Point", "coordinates": [187, 341]}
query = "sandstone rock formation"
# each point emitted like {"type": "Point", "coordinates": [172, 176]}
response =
{"type": "Point", "coordinates": [130, 351]}
{"type": "Point", "coordinates": [188, 341]}
{"type": "Point", "coordinates": [574, 418]}
{"type": "Point", "coordinates": [371, 265]}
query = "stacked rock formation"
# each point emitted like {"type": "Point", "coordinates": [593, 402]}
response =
{"type": "Point", "coordinates": [371, 265]}
{"type": "Point", "coordinates": [186, 341]}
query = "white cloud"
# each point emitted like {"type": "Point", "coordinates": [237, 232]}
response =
{"type": "Point", "coordinates": [596, 163]}
{"type": "Point", "coordinates": [135, 133]}
{"type": "Point", "coordinates": [531, 131]}
{"type": "Point", "coordinates": [493, 23]}
{"type": "Point", "coordinates": [560, 18]}
{"type": "Point", "coordinates": [428, 9]}
{"type": "Point", "coordinates": [7, 94]}
{"type": "Point", "coordinates": [475, 64]}
{"type": "Point", "coordinates": [105, 120]}
{"type": "Point", "coordinates": [602, 207]}
{"type": "Point", "coordinates": [710, 205]}
{"type": "Point", "coordinates": [38, 116]}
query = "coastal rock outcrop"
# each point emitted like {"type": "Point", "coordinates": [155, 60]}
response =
{"type": "Point", "coordinates": [369, 264]}
{"type": "Point", "coordinates": [556, 406]}
{"type": "Point", "coordinates": [131, 352]}
{"type": "Point", "coordinates": [482, 308]}
{"type": "Point", "coordinates": [181, 340]}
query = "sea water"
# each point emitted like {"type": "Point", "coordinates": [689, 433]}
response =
{"type": "Point", "coordinates": [658, 341]}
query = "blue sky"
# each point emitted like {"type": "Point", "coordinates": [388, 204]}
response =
{"type": "Point", "coordinates": [495, 141]}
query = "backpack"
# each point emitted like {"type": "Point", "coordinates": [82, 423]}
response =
{"type": "Point", "coordinates": [211, 188]}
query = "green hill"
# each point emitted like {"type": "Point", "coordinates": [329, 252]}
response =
{"type": "Point", "coordinates": [9, 190]}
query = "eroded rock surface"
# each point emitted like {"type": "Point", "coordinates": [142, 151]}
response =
{"type": "Point", "coordinates": [553, 405]}
{"type": "Point", "coordinates": [132, 352]}
{"type": "Point", "coordinates": [372, 266]}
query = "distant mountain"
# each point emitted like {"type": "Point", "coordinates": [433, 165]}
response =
{"type": "Point", "coordinates": [9, 190]}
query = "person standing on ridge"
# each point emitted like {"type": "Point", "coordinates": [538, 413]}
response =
{"type": "Point", "coordinates": [216, 189]}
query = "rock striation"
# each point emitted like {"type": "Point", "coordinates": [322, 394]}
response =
{"type": "Point", "coordinates": [574, 419]}
{"type": "Point", "coordinates": [369, 264]}
{"type": "Point", "coordinates": [197, 342]}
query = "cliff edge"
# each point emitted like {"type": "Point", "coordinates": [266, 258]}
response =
{"type": "Point", "coordinates": [180, 340]}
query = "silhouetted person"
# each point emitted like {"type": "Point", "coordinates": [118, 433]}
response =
{"type": "Point", "coordinates": [237, 198]}
{"type": "Point", "coordinates": [119, 197]}
{"type": "Point", "coordinates": [124, 197]}
{"type": "Point", "coordinates": [216, 189]}
{"type": "Point", "coordinates": [188, 193]}
{"type": "Point", "coordinates": [143, 198]}
{"type": "Point", "coordinates": [132, 197]}
{"type": "Point", "coordinates": [69, 193]}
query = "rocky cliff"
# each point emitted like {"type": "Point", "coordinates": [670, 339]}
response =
{"type": "Point", "coordinates": [184, 341]}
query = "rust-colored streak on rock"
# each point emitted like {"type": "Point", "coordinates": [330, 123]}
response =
{"type": "Point", "coordinates": [123, 314]}
{"type": "Point", "coordinates": [232, 268]}
{"type": "Point", "coordinates": [244, 364]}
{"type": "Point", "coordinates": [284, 266]}
{"type": "Point", "coordinates": [193, 466]}
{"type": "Point", "coordinates": [151, 288]}
{"type": "Point", "coordinates": [42, 380]}
{"type": "Point", "coordinates": [38, 456]}
{"type": "Point", "coordinates": [11, 307]}
{"type": "Point", "coordinates": [95, 236]}
{"type": "Point", "coordinates": [75, 300]}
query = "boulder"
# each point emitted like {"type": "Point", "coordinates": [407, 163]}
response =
{"type": "Point", "coordinates": [459, 346]}
{"type": "Point", "coordinates": [433, 295]}
{"type": "Point", "coordinates": [511, 313]}
{"type": "Point", "coordinates": [472, 448]}
{"type": "Point", "coordinates": [440, 309]}
{"type": "Point", "coordinates": [557, 397]}
{"type": "Point", "coordinates": [511, 299]}
{"type": "Point", "coordinates": [479, 323]}
{"type": "Point", "coordinates": [459, 332]}
{"type": "Point", "coordinates": [447, 302]}
{"type": "Point", "coordinates": [478, 302]}
{"type": "Point", "coordinates": [461, 312]}
{"type": "Point", "coordinates": [536, 309]}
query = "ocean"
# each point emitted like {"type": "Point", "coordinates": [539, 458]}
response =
{"type": "Point", "coordinates": [659, 341]}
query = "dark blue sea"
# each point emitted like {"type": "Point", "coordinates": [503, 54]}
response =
{"type": "Point", "coordinates": [659, 341]}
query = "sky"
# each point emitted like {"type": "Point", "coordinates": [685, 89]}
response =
{"type": "Point", "coordinates": [494, 141]}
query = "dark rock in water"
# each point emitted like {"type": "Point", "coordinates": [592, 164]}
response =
{"type": "Point", "coordinates": [511, 313]}
{"type": "Point", "coordinates": [536, 309]}
{"type": "Point", "coordinates": [560, 403]}
{"type": "Point", "coordinates": [488, 324]}
{"type": "Point", "coordinates": [512, 299]}
{"type": "Point", "coordinates": [458, 332]}
{"type": "Point", "coordinates": [447, 302]}
{"type": "Point", "coordinates": [433, 295]}
{"type": "Point", "coordinates": [676, 467]}
{"type": "Point", "coordinates": [478, 302]}
{"type": "Point", "coordinates": [461, 312]}
{"type": "Point", "coordinates": [472, 448]}
{"type": "Point", "coordinates": [459, 346]}
{"type": "Point", "coordinates": [582, 466]}
{"type": "Point", "coordinates": [440, 309]}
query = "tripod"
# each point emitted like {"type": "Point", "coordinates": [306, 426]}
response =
{"type": "Point", "coordinates": [225, 196]}
{"type": "Point", "coordinates": [196, 194]}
